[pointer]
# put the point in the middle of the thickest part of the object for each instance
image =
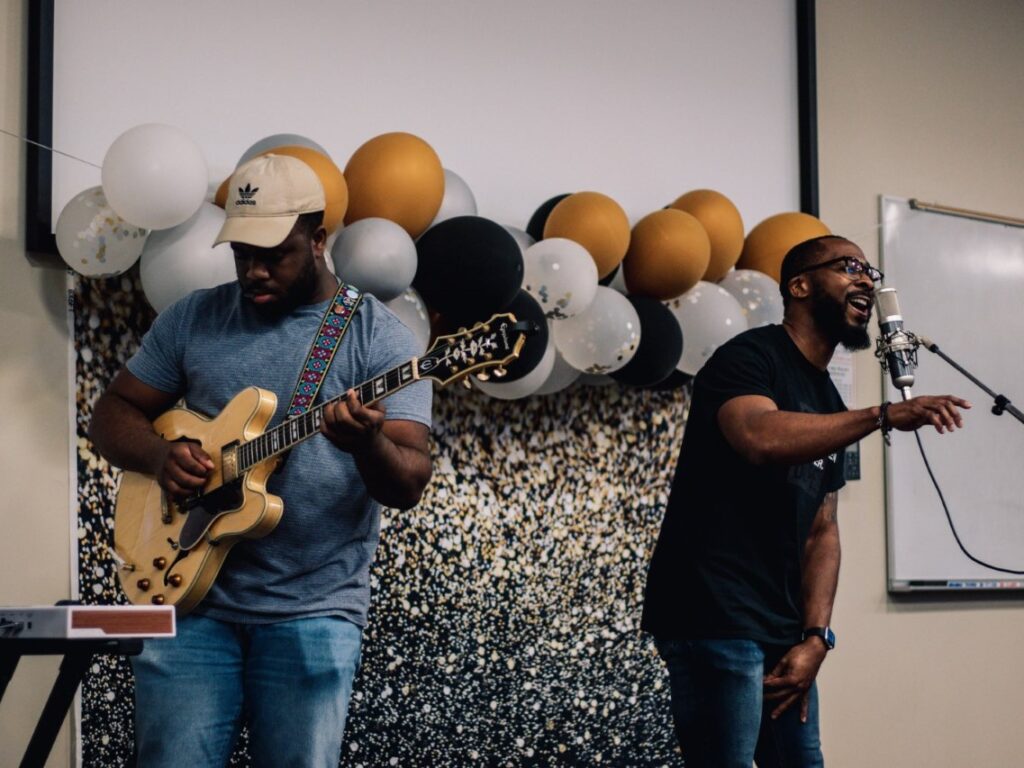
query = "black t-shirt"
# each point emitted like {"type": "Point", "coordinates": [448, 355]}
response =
{"type": "Point", "coordinates": [727, 562]}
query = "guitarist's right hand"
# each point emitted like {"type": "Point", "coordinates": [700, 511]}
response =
{"type": "Point", "coordinates": [183, 469]}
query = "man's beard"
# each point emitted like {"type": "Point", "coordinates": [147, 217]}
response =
{"type": "Point", "coordinates": [830, 316]}
{"type": "Point", "coordinates": [300, 292]}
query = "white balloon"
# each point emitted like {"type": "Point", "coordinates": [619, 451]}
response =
{"type": "Point", "coordinates": [458, 199]}
{"type": "Point", "coordinates": [523, 238]}
{"type": "Point", "coordinates": [709, 316]}
{"type": "Point", "coordinates": [561, 275]}
{"type": "Point", "coordinates": [527, 385]}
{"type": "Point", "coordinates": [268, 143]}
{"type": "Point", "coordinates": [375, 255]}
{"type": "Point", "coordinates": [154, 176]}
{"type": "Point", "coordinates": [757, 293]}
{"type": "Point", "coordinates": [603, 337]}
{"type": "Point", "coordinates": [93, 240]}
{"type": "Point", "coordinates": [182, 259]}
{"type": "Point", "coordinates": [562, 374]}
{"type": "Point", "coordinates": [412, 311]}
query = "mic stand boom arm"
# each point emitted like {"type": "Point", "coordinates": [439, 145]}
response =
{"type": "Point", "coordinates": [1002, 403]}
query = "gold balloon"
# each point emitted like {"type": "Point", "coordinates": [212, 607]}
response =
{"type": "Point", "coordinates": [395, 176]}
{"type": "Point", "coordinates": [221, 198]}
{"type": "Point", "coordinates": [331, 179]}
{"type": "Point", "coordinates": [724, 226]}
{"type": "Point", "coordinates": [596, 222]}
{"type": "Point", "coordinates": [769, 241]}
{"type": "Point", "coordinates": [668, 253]}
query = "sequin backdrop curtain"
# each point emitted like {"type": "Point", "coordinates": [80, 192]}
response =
{"type": "Point", "coordinates": [504, 624]}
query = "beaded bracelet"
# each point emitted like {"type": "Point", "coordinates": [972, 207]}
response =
{"type": "Point", "coordinates": [883, 421]}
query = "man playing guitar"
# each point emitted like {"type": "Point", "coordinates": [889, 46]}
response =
{"type": "Point", "coordinates": [277, 636]}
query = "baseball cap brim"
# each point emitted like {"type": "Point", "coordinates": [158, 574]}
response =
{"type": "Point", "coordinates": [261, 231]}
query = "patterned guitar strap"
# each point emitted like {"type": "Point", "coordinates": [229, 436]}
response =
{"type": "Point", "coordinates": [321, 354]}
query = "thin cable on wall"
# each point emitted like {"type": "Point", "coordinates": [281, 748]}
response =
{"type": "Point", "coordinates": [51, 149]}
{"type": "Point", "coordinates": [949, 517]}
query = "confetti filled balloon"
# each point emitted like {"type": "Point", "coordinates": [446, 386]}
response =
{"type": "Point", "coordinates": [757, 293]}
{"type": "Point", "coordinates": [182, 259]}
{"type": "Point", "coordinates": [709, 316]}
{"type": "Point", "coordinates": [769, 241]}
{"type": "Point", "coordinates": [376, 255]}
{"type": "Point", "coordinates": [395, 176]}
{"type": "Point", "coordinates": [603, 337]}
{"type": "Point", "coordinates": [660, 348]}
{"type": "Point", "coordinates": [668, 253]}
{"type": "Point", "coordinates": [154, 176]}
{"type": "Point", "coordinates": [596, 222]}
{"type": "Point", "coordinates": [93, 240]}
{"type": "Point", "coordinates": [561, 276]}
{"type": "Point", "coordinates": [724, 225]}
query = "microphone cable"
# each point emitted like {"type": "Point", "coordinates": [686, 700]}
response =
{"type": "Point", "coordinates": [949, 517]}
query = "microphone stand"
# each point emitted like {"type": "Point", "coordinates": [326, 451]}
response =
{"type": "Point", "coordinates": [1002, 403]}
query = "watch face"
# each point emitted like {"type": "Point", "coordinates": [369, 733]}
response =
{"type": "Point", "coordinates": [830, 638]}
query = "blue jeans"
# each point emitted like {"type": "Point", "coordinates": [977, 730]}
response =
{"type": "Point", "coordinates": [721, 718]}
{"type": "Point", "coordinates": [291, 681]}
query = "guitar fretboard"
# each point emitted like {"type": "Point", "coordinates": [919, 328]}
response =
{"type": "Point", "coordinates": [293, 431]}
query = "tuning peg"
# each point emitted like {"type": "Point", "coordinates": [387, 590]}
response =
{"type": "Point", "coordinates": [483, 376]}
{"type": "Point", "coordinates": [499, 372]}
{"type": "Point", "coordinates": [465, 383]}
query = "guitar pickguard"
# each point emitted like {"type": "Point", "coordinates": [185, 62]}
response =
{"type": "Point", "coordinates": [203, 511]}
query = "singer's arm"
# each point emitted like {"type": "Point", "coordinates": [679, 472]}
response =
{"type": "Point", "coordinates": [755, 428]}
{"type": "Point", "coordinates": [791, 678]}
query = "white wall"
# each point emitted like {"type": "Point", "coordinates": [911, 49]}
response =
{"type": "Point", "coordinates": [919, 98]}
{"type": "Point", "coordinates": [35, 545]}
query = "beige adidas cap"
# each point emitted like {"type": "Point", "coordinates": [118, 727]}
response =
{"type": "Point", "coordinates": [266, 196]}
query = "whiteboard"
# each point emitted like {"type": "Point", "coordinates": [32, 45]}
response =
{"type": "Point", "coordinates": [961, 284]}
{"type": "Point", "coordinates": [641, 101]}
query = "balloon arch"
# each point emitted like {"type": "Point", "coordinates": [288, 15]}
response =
{"type": "Point", "coordinates": [645, 304]}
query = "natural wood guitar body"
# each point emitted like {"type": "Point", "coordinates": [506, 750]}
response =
{"type": "Point", "coordinates": [148, 526]}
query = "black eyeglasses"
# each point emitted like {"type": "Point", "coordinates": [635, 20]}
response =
{"type": "Point", "coordinates": [851, 266]}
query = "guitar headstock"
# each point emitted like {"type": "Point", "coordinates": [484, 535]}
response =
{"type": "Point", "coordinates": [491, 344]}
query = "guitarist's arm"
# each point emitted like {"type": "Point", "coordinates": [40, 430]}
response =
{"type": "Point", "coordinates": [393, 456]}
{"type": "Point", "coordinates": [122, 431]}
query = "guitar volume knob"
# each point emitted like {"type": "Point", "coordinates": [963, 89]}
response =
{"type": "Point", "coordinates": [142, 584]}
{"type": "Point", "coordinates": [159, 563]}
{"type": "Point", "coordinates": [174, 580]}
{"type": "Point", "coordinates": [157, 599]}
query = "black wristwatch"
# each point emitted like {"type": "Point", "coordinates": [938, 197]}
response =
{"type": "Point", "coordinates": [825, 633]}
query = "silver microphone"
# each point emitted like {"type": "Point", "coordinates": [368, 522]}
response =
{"type": "Point", "coordinates": [895, 348]}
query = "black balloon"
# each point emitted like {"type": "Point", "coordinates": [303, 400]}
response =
{"type": "Point", "coordinates": [675, 380]}
{"type": "Point", "coordinates": [526, 308]}
{"type": "Point", "coordinates": [535, 227]}
{"type": "Point", "coordinates": [661, 345]}
{"type": "Point", "coordinates": [468, 268]}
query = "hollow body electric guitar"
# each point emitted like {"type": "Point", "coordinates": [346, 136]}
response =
{"type": "Point", "coordinates": [169, 551]}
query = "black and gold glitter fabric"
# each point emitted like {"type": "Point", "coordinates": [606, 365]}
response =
{"type": "Point", "coordinates": [504, 627]}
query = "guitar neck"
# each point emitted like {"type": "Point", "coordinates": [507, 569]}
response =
{"type": "Point", "coordinates": [291, 432]}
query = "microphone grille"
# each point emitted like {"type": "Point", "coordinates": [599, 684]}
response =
{"type": "Point", "coordinates": [888, 305]}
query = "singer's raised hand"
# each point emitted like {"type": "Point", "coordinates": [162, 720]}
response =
{"type": "Point", "coordinates": [941, 411]}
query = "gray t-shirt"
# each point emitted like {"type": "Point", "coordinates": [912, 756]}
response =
{"type": "Point", "coordinates": [316, 562]}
